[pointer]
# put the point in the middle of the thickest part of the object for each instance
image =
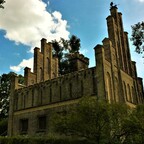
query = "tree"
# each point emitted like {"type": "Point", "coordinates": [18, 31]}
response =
{"type": "Point", "coordinates": [62, 50]}
{"type": "Point", "coordinates": [74, 43]}
{"type": "Point", "coordinates": [4, 99]}
{"type": "Point", "coordinates": [1, 3]}
{"type": "Point", "coordinates": [96, 121]}
{"type": "Point", "coordinates": [100, 122]}
{"type": "Point", "coordinates": [138, 36]}
{"type": "Point", "coordinates": [135, 125]}
{"type": "Point", "coordinates": [5, 91]}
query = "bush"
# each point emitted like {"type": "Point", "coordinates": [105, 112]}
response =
{"type": "Point", "coordinates": [3, 127]}
{"type": "Point", "coordinates": [33, 140]}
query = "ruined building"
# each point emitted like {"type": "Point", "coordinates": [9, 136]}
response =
{"type": "Point", "coordinates": [114, 78]}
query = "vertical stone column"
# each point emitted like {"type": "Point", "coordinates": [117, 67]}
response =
{"type": "Point", "coordinates": [108, 47]}
{"type": "Point", "coordinates": [100, 72]}
{"type": "Point", "coordinates": [36, 63]}
{"type": "Point", "coordinates": [27, 75]}
{"type": "Point", "coordinates": [14, 85]}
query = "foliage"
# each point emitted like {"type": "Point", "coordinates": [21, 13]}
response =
{"type": "Point", "coordinates": [41, 140]}
{"type": "Point", "coordinates": [5, 91]}
{"type": "Point", "coordinates": [62, 50]}
{"type": "Point", "coordinates": [74, 43]}
{"type": "Point", "coordinates": [1, 3]}
{"type": "Point", "coordinates": [4, 99]}
{"type": "Point", "coordinates": [138, 36]}
{"type": "Point", "coordinates": [3, 127]}
{"type": "Point", "coordinates": [100, 122]}
{"type": "Point", "coordinates": [135, 124]}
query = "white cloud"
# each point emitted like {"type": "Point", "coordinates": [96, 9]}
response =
{"type": "Point", "coordinates": [48, 2]}
{"type": "Point", "coordinates": [84, 51]}
{"type": "Point", "coordinates": [28, 22]}
{"type": "Point", "coordinates": [24, 63]}
{"type": "Point", "coordinates": [141, 0]}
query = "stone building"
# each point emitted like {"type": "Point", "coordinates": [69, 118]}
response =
{"type": "Point", "coordinates": [114, 78]}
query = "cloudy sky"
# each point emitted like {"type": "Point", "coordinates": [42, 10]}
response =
{"type": "Point", "coordinates": [24, 23]}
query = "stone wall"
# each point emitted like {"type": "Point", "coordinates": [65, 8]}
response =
{"type": "Point", "coordinates": [70, 86]}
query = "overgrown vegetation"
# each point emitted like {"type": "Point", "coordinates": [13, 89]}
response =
{"type": "Point", "coordinates": [41, 140]}
{"type": "Point", "coordinates": [138, 37]}
{"type": "Point", "coordinates": [91, 122]}
{"type": "Point", "coordinates": [101, 122]}
{"type": "Point", "coordinates": [4, 99]}
{"type": "Point", "coordinates": [1, 3]}
{"type": "Point", "coordinates": [63, 49]}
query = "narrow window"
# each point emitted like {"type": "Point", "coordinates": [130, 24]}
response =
{"type": "Point", "coordinates": [116, 90]}
{"type": "Point", "coordinates": [24, 126]}
{"type": "Point", "coordinates": [129, 93]}
{"type": "Point", "coordinates": [50, 94]}
{"type": "Point", "coordinates": [70, 90]}
{"type": "Point", "coordinates": [41, 74]}
{"type": "Point", "coordinates": [42, 123]}
{"type": "Point", "coordinates": [32, 97]}
{"type": "Point", "coordinates": [60, 93]}
{"type": "Point", "coordinates": [48, 65]}
{"type": "Point", "coordinates": [81, 88]}
{"type": "Point", "coordinates": [125, 91]}
{"type": "Point", "coordinates": [109, 88]}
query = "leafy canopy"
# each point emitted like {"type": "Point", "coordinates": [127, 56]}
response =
{"type": "Point", "coordinates": [63, 49]}
{"type": "Point", "coordinates": [1, 3]}
{"type": "Point", "coordinates": [101, 122]}
{"type": "Point", "coordinates": [138, 37]}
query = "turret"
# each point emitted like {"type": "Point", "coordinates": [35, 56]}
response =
{"type": "Point", "coordinates": [78, 61]}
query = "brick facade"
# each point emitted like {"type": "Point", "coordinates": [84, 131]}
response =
{"type": "Point", "coordinates": [114, 78]}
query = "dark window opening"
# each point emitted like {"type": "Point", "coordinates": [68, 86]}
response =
{"type": "Point", "coordinates": [24, 126]}
{"type": "Point", "coordinates": [42, 123]}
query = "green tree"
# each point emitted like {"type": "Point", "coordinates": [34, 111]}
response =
{"type": "Point", "coordinates": [74, 43]}
{"type": "Point", "coordinates": [118, 114]}
{"type": "Point", "coordinates": [3, 126]}
{"type": "Point", "coordinates": [62, 50]}
{"type": "Point", "coordinates": [4, 99]}
{"type": "Point", "coordinates": [96, 121]}
{"type": "Point", "coordinates": [5, 91]}
{"type": "Point", "coordinates": [101, 122]}
{"type": "Point", "coordinates": [1, 3]}
{"type": "Point", "coordinates": [135, 126]}
{"type": "Point", "coordinates": [138, 36]}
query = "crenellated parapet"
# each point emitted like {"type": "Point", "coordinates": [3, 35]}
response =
{"type": "Point", "coordinates": [70, 86]}
{"type": "Point", "coordinates": [78, 61]}
{"type": "Point", "coordinates": [45, 65]}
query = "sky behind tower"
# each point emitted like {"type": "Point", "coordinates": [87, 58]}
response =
{"type": "Point", "coordinates": [24, 23]}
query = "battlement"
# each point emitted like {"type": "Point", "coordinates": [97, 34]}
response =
{"type": "Point", "coordinates": [45, 65]}
{"type": "Point", "coordinates": [70, 86]}
{"type": "Point", "coordinates": [78, 61]}
{"type": "Point", "coordinates": [79, 56]}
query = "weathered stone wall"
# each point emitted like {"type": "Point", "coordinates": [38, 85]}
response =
{"type": "Point", "coordinates": [113, 79]}
{"type": "Point", "coordinates": [113, 83]}
{"type": "Point", "coordinates": [70, 86]}
{"type": "Point", "coordinates": [45, 65]}
{"type": "Point", "coordinates": [34, 113]}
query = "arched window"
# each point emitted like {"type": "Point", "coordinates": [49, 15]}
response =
{"type": "Point", "coordinates": [129, 93]}
{"type": "Point", "coordinates": [48, 64]}
{"type": "Point", "coordinates": [133, 95]}
{"type": "Point", "coordinates": [125, 91]}
{"type": "Point", "coordinates": [41, 74]}
{"type": "Point", "coordinates": [70, 90]}
{"type": "Point", "coordinates": [116, 90]}
{"type": "Point", "coordinates": [109, 88]}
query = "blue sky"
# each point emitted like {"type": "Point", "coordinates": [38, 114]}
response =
{"type": "Point", "coordinates": [23, 24]}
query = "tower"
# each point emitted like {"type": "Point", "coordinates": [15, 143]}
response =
{"type": "Point", "coordinates": [45, 65]}
{"type": "Point", "coordinates": [116, 74]}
